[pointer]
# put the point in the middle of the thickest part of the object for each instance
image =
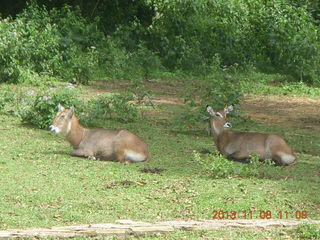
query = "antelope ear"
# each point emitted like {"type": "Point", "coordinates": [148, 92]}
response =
{"type": "Point", "coordinates": [60, 108]}
{"type": "Point", "coordinates": [71, 112]}
{"type": "Point", "coordinates": [228, 109]}
{"type": "Point", "coordinates": [210, 110]}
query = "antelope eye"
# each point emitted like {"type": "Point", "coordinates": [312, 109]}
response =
{"type": "Point", "coordinates": [218, 115]}
{"type": "Point", "coordinates": [62, 116]}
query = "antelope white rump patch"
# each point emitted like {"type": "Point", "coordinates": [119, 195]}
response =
{"type": "Point", "coordinates": [134, 156]}
{"type": "Point", "coordinates": [287, 158]}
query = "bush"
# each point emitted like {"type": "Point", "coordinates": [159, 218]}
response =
{"type": "Point", "coordinates": [122, 63]}
{"type": "Point", "coordinates": [47, 43]}
{"type": "Point", "coordinates": [219, 91]}
{"type": "Point", "coordinates": [116, 107]}
{"type": "Point", "coordinates": [23, 48]}
{"type": "Point", "coordinates": [38, 109]}
{"type": "Point", "coordinates": [273, 36]}
{"type": "Point", "coordinates": [41, 110]}
{"type": "Point", "coordinates": [197, 38]}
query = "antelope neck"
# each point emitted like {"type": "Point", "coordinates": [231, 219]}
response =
{"type": "Point", "coordinates": [76, 133]}
{"type": "Point", "coordinates": [215, 131]}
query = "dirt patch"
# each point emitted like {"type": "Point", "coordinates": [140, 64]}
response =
{"type": "Point", "coordinates": [282, 110]}
{"type": "Point", "coordinates": [151, 170]}
{"type": "Point", "coordinates": [154, 85]}
{"type": "Point", "coordinates": [124, 184]}
{"type": "Point", "coordinates": [274, 110]}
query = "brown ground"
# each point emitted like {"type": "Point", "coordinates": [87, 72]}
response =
{"type": "Point", "coordinates": [284, 110]}
{"type": "Point", "coordinates": [274, 110]}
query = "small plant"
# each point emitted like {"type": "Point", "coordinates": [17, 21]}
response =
{"type": "Point", "coordinates": [216, 164]}
{"type": "Point", "coordinates": [258, 168]}
{"type": "Point", "coordinates": [2, 102]}
{"type": "Point", "coordinates": [43, 108]}
{"type": "Point", "coordinates": [308, 231]}
{"type": "Point", "coordinates": [116, 107]}
{"type": "Point", "coordinates": [142, 96]}
{"type": "Point", "coordinates": [220, 167]}
{"type": "Point", "coordinates": [18, 101]}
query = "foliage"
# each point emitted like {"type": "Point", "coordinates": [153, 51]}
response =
{"type": "Point", "coordinates": [46, 43]}
{"type": "Point", "coordinates": [219, 91]}
{"type": "Point", "coordinates": [275, 84]}
{"type": "Point", "coordinates": [17, 101]}
{"type": "Point", "coordinates": [122, 63]}
{"type": "Point", "coordinates": [23, 49]}
{"type": "Point", "coordinates": [38, 108]}
{"type": "Point", "coordinates": [220, 167]}
{"type": "Point", "coordinates": [116, 107]}
{"type": "Point", "coordinates": [41, 111]}
{"type": "Point", "coordinates": [2, 102]}
{"type": "Point", "coordinates": [273, 36]}
{"type": "Point", "coordinates": [144, 38]}
{"type": "Point", "coordinates": [308, 231]}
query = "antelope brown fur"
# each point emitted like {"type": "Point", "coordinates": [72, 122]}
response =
{"type": "Point", "coordinates": [103, 144]}
{"type": "Point", "coordinates": [240, 145]}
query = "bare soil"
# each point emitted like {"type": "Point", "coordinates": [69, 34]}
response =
{"type": "Point", "coordinates": [274, 110]}
{"type": "Point", "coordinates": [284, 110]}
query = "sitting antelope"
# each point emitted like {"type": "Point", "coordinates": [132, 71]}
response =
{"type": "Point", "coordinates": [120, 145]}
{"type": "Point", "coordinates": [240, 145]}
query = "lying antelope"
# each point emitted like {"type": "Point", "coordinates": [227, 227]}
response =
{"type": "Point", "coordinates": [240, 145]}
{"type": "Point", "coordinates": [120, 145]}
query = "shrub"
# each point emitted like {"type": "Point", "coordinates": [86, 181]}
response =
{"type": "Point", "coordinates": [24, 47]}
{"type": "Point", "coordinates": [144, 62]}
{"type": "Point", "coordinates": [39, 108]}
{"type": "Point", "coordinates": [117, 107]}
{"type": "Point", "coordinates": [122, 63]}
{"type": "Point", "coordinates": [219, 90]}
{"type": "Point", "coordinates": [114, 58]}
{"type": "Point", "coordinates": [41, 111]}
{"type": "Point", "coordinates": [47, 43]}
{"type": "Point", "coordinates": [271, 35]}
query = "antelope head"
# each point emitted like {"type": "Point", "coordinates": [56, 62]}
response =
{"type": "Point", "coordinates": [62, 122]}
{"type": "Point", "coordinates": [218, 119]}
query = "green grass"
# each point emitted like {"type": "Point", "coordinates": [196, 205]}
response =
{"type": "Point", "coordinates": [281, 88]}
{"type": "Point", "coordinates": [42, 186]}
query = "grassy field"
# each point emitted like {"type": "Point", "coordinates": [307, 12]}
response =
{"type": "Point", "coordinates": [42, 186]}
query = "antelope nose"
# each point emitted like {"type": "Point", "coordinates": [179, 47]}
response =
{"type": "Point", "coordinates": [51, 128]}
{"type": "Point", "coordinates": [227, 125]}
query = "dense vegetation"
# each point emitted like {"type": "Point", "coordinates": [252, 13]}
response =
{"type": "Point", "coordinates": [143, 39]}
{"type": "Point", "coordinates": [207, 42]}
